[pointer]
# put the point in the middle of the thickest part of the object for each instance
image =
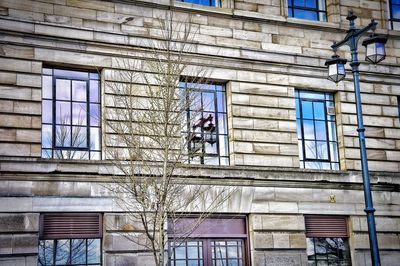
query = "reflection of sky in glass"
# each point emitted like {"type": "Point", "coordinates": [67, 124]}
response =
{"type": "Point", "coordinates": [308, 127]}
{"type": "Point", "coordinates": [95, 138]}
{"type": "Point", "coordinates": [94, 91]}
{"type": "Point", "coordinates": [62, 252]}
{"type": "Point", "coordinates": [93, 251]}
{"type": "Point", "coordinates": [63, 136]}
{"type": "Point", "coordinates": [320, 130]}
{"type": "Point", "coordinates": [94, 114]}
{"type": "Point", "coordinates": [206, 100]}
{"type": "Point", "coordinates": [71, 74]}
{"type": "Point", "coordinates": [79, 91]}
{"type": "Point", "coordinates": [307, 9]}
{"type": "Point", "coordinates": [310, 149]}
{"type": "Point", "coordinates": [47, 87]}
{"type": "Point", "coordinates": [63, 113]}
{"type": "Point", "coordinates": [316, 134]}
{"type": "Point", "coordinates": [319, 110]}
{"type": "Point", "coordinates": [322, 150]}
{"type": "Point", "coordinates": [71, 104]}
{"type": "Point", "coordinates": [79, 114]}
{"type": "Point", "coordinates": [69, 252]}
{"type": "Point", "coordinates": [307, 110]}
{"type": "Point", "coordinates": [47, 112]}
{"type": "Point", "coordinates": [47, 136]}
{"type": "Point", "coordinates": [79, 137]}
{"type": "Point", "coordinates": [78, 254]}
{"type": "Point", "coordinates": [63, 89]}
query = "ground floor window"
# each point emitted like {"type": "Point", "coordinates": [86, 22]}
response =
{"type": "Point", "coordinates": [216, 241]}
{"type": "Point", "coordinates": [70, 252]}
{"type": "Point", "coordinates": [70, 239]}
{"type": "Point", "coordinates": [327, 240]}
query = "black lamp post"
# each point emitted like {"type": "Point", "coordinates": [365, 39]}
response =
{"type": "Point", "coordinates": [375, 53]}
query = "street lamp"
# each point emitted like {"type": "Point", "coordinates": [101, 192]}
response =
{"type": "Point", "coordinates": [375, 53]}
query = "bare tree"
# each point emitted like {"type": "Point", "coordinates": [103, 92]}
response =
{"type": "Point", "coordinates": [152, 128]}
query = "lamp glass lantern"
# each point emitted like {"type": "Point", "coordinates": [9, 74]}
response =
{"type": "Point", "coordinates": [375, 46]}
{"type": "Point", "coordinates": [336, 70]}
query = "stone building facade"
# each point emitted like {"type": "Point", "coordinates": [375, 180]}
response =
{"type": "Point", "coordinates": [269, 55]}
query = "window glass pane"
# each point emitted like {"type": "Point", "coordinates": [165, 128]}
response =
{"type": "Point", "coordinates": [297, 108]}
{"type": "Point", "coordinates": [396, 25]}
{"type": "Point", "coordinates": [192, 252]}
{"type": "Point", "coordinates": [68, 110]}
{"type": "Point", "coordinates": [221, 101]}
{"type": "Point", "coordinates": [78, 155]}
{"type": "Point", "coordinates": [322, 16]}
{"type": "Point", "coordinates": [94, 115]}
{"type": "Point", "coordinates": [180, 252]}
{"type": "Point", "coordinates": [299, 133]}
{"type": "Point", "coordinates": [307, 110]}
{"type": "Point", "coordinates": [320, 130]}
{"type": "Point", "coordinates": [94, 91]}
{"type": "Point", "coordinates": [211, 149]}
{"type": "Point", "coordinates": [95, 138]}
{"type": "Point", "coordinates": [208, 101]}
{"type": "Point", "coordinates": [78, 251]}
{"type": "Point", "coordinates": [194, 263]}
{"type": "Point", "coordinates": [308, 127]}
{"type": "Point", "coordinates": [300, 150]}
{"type": "Point", "coordinates": [298, 2]}
{"type": "Point", "coordinates": [322, 150]}
{"type": "Point", "coordinates": [332, 131]}
{"type": "Point", "coordinates": [305, 14]}
{"type": "Point", "coordinates": [63, 89]}
{"type": "Point", "coordinates": [79, 137]}
{"type": "Point", "coordinates": [310, 150]}
{"type": "Point", "coordinates": [312, 95]}
{"type": "Point", "coordinates": [94, 75]}
{"type": "Point", "coordinates": [319, 111]}
{"type": "Point", "coordinates": [311, 3]}
{"type": "Point", "coordinates": [211, 160]}
{"type": "Point", "coordinates": [47, 136]}
{"type": "Point", "coordinates": [334, 152]}
{"type": "Point", "coordinates": [46, 252]}
{"type": "Point", "coordinates": [223, 145]}
{"type": "Point", "coordinates": [63, 136]}
{"type": "Point", "coordinates": [93, 251]}
{"type": "Point", "coordinates": [47, 87]}
{"type": "Point", "coordinates": [47, 71]}
{"type": "Point", "coordinates": [208, 122]}
{"type": "Point", "coordinates": [95, 155]}
{"type": "Point", "coordinates": [79, 90]}
{"type": "Point", "coordinates": [233, 252]}
{"type": "Point", "coordinates": [47, 112]}
{"type": "Point", "coordinates": [310, 247]}
{"type": "Point", "coordinates": [63, 113]}
{"type": "Point", "coordinates": [71, 74]}
{"type": "Point", "coordinates": [224, 160]}
{"type": "Point", "coordinates": [62, 249]}
{"type": "Point", "coordinates": [222, 125]}
{"type": "Point", "coordinates": [79, 114]}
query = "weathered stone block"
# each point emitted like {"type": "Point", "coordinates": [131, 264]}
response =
{"type": "Point", "coordinates": [74, 12]}
{"type": "Point", "coordinates": [262, 240]}
{"type": "Point", "coordinates": [92, 4]}
{"type": "Point", "coordinates": [5, 243]}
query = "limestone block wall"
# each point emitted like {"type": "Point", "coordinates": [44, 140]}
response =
{"type": "Point", "coordinates": [274, 203]}
{"type": "Point", "coordinates": [261, 61]}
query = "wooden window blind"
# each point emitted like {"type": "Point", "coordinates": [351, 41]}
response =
{"type": "Point", "coordinates": [326, 226]}
{"type": "Point", "coordinates": [70, 225]}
